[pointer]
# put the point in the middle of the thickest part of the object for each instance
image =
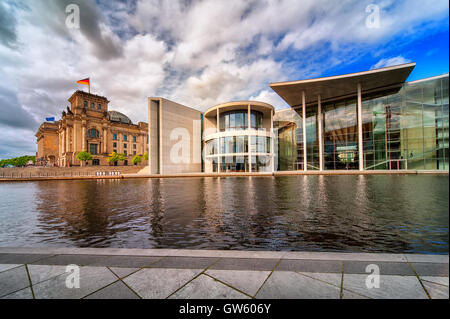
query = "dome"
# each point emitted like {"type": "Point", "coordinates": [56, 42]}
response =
{"type": "Point", "coordinates": [119, 117]}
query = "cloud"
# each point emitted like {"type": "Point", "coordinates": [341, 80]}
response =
{"type": "Point", "coordinates": [8, 36]}
{"type": "Point", "coordinates": [390, 62]}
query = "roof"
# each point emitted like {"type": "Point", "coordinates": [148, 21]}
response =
{"type": "Point", "coordinates": [119, 117]}
{"type": "Point", "coordinates": [341, 85]}
{"type": "Point", "coordinates": [238, 105]}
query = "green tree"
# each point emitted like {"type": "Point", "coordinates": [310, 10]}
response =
{"type": "Point", "coordinates": [18, 161]}
{"type": "Point", "coordinates": [115, 157]}
{"type": "Point", "coordinates": [137, 159]}
{"type": "Point", "coordinates": [145, 156]}
{"type": "Point", "coordinates": [84, 156]}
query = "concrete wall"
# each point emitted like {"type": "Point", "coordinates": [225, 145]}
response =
{"type": "Point", "coordinates": [171, 126]}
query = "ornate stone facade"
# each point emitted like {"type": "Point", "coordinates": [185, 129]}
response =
{"type": "Point", "coordinates": [88, 126]}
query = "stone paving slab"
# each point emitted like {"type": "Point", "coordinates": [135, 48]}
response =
{"type": "Point", "coordinates": [117, 290]}
{"type": "Point", "coordinates": [221, 274]}
{"type": "Point", "coordinates": [291, 285]}
{"type": "Point", "coordinates": [13, 280]}
{"type": "Point", "coordinates": [125, 261]}
{"type": "Point", "coordinates": [386, 268]}
{"type": "Point", "coordinates": [322, 266]}
{"type": "Point", "coordinates": [159, 283]}
{"type": "Point", "coordinates": [246, 281]}
{"type": "Point", "coordinates": [185, 262]}
{"type": "Point", "coordinates": [431, 269]}
{"type": "Point", "coordinates": [245, 264]}
{"type": "Point", "coordinates": [91, 280]}
{"type": "Point", "coordinates": [21, 258]}
{"type": "Point", "coordinates": [391, 287]}
{"type": "Point", "coordinates": [205, 287]}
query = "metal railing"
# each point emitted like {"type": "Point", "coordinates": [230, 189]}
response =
{"type": "Point", "coordinates": [21, 175]}
{"type": "Point", "coordinates": [389, 165]}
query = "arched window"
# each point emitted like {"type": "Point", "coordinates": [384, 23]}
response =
{"type": "Point", "coordinates": [85, 104]}
{"type": "Point", "coordinates": [93, 133]}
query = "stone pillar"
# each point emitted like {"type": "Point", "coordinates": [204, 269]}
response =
{"type": "Point", "coordinates": [319, 124]}
{"type": "Point", "coordinates": [83, 137]}
{"type": "Point", "coordinates": [305, 158]}
{"type": "Point", "coordinates": [249, 125]}
{"type": "Point", "coordinates": [360, 130]}
{"type": "Point", "coordinates": [105, 140]}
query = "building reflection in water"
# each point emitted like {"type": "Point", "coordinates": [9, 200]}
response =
{"type": "Point", "coordinates": [340, 213]}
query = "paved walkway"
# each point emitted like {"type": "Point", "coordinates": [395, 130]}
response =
{"type": "Point", "coordinates": [165, 273]}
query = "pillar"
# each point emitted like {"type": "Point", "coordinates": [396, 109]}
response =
{"type": "Point", "coordinates": [305, 158]}
{"type": "Point", "coordinates": [319, 124]}
{"type": "Point", "coordinates": [105, 140]}
{"type": "Point", "coordinates": [249, 139]}
{"type": "Point", "coordinates": [360, 130]}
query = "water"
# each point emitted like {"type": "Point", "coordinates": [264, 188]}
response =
{"type": "Point", "coordinates": [395, 214]}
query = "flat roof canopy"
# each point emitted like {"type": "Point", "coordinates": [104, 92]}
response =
{"type": "Point", "coordinates": [341, 85]}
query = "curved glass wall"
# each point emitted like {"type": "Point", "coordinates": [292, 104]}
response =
{"type": "Point", "coordinates": [238, 120]}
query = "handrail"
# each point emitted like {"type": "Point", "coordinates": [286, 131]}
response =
{"type": "Point", "coordinates": [391, 161]}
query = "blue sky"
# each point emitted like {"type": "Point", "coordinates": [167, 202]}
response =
{"type": "Point", "coordinates": [199, 53]}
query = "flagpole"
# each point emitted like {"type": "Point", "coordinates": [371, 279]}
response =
{"type": "Point", "coordinates": [89, 86]}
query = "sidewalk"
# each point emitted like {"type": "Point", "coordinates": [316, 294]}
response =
{"type": "Point", "coordinates": [169, 273]}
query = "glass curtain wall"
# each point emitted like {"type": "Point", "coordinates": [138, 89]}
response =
{"type": "Point", "coordinates": [407, 127]}
{"type": "Point", "coordinates": [340, 133]}
{"type": "Point", "coordinates": [404, 127]}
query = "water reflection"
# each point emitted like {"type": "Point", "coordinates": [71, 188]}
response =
{"type": "Point", "coordinates": [332, 213]}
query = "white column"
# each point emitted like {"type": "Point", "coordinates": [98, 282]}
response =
{"type": "Point", "coordinates": [218, 140]}
{"type": "Point", "coordinates": [305, 159]}
{"type": "Point", "coordinates": [249, 140]}
{"type": "Point", "coordinates": [319, 122]}
{"type": "Point", "coordinates": [360, 130]}
{"type": "Point", "coordinates": [272, 152]}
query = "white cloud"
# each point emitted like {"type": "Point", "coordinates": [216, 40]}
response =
{"type": "Point", "coordinates": [390, 62]}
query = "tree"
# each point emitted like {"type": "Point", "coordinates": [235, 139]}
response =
{"type": "Point", "coordinates": [114, 157]}
{"type": "Point", "coordinates": [84, 156]}
{"type": "Point", "coordinates": [18, 161]}
{"type": "Point", "coordinates": [145, 156]}
{"type": "Point", "coordinates": [137, 159]}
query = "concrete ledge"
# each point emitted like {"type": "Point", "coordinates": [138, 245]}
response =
{"type": "Point", "coordinates": [184, 175]}
{"type": "Point", "coordinates": [132, 252]}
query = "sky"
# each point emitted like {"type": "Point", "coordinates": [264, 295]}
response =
{"type": "Point", "coordinates": [197, 53]}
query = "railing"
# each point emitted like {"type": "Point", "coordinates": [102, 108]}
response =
{"type": "Point", "coordinates": [389, 165]}
{"type": "Point", "coordinates": [21, 175]}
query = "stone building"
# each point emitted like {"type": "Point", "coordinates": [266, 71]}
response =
{"type": "Point", "coordinates": [88, 125]}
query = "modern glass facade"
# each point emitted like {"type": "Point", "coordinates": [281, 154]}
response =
{"type": "Point", "coordinates": [403, 127]}
{"type": "Point", "coordinates": [239, 137]}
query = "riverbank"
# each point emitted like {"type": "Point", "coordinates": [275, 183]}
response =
{"type": "Point", "coordinates": [128, 175]}
{"type": "Point", "coordinates": [40, 273]}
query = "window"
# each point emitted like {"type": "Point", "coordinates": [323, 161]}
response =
{"type": "Point", "coordinates": [115, 144]}
{"type": "Point", "coordinates": [92, 105]}
{"type": "Point", "coordinates": [134, 152]}
{"type": "Point", "coordinates": [125, 152]}
{"type": "Point", "coordinates": [85, 104]}
{"type": "Point", "coordinates": [134, 139]}
{"type": "Point", "coordinates": [125, 138]}
{"type": "Point", "coordinates": [93, 133]}
{"type": "Point", "coordinates": [124, 145]}
{"type": "Point", "coordinates": [115, 137]}
{"type": "Point", "coordinates": [99, 107]}
{"type": "Point", "coordinates": [93, 149]}
{"type": "Point", "coordinates": [134, 146]}
{"type": "Point", "coordinates": [115, 151]}
{"type": "Point", "coordinates": [233, 120]}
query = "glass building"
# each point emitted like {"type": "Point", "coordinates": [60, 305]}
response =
{"type": "Point", "coordinates": [370, 120]}
{"type": "Point", "coordinates": [237, 137]}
